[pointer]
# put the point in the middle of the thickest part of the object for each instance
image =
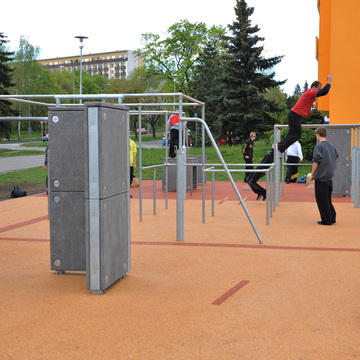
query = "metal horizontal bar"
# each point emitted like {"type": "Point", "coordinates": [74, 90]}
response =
{"type": "Point", "coordinates": [29, 118]}
{"type": "Point", "coordinates": [314, 126]}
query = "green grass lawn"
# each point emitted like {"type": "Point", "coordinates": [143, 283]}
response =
{"type": "Point", "coordinates": [11, 153]}
{"type": "Point", "coordinates": [29, 176]}
{"type": "Point", "coordinates": [231, 155]}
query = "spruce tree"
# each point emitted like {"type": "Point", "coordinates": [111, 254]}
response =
{"type": "Point", "coordinates": [246, 77]}
{"type": "Point", "coordinates": [5, 84]}
{"type": "Point", "coordinates": [205, 85]}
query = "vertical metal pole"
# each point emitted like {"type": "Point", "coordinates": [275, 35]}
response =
{"type": "Point", "coordinates": [282, 177]}
{"type": "Point", "coordinates": [81, 47]}
{"type": "Point", "coordinates": [271, 195]}
{"type": "Point", "coordinates": [268, 193]}
{"type": "Point", "coordinates": [277, 169]}
{"type": "Point", "coordinates": [166, 160]}
{"type": "Point", "coordinates": [94, 270]}
{"type": "Point", "coordinates": [356, 184]}
{"type": "Point", "coordinates": [140, 166]}
{"type": "Point", "coordinates": [180, 180]}
{"type": "Point", "coordinates": [353, 167]}
{"type": "Point", "coordinates": [203, 174]}
{"type": "Point", "coordinates": [154, 192]}
{"type": "Point", "coordinates": [212, 194]}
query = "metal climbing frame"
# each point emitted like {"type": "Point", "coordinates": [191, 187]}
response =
{"type": "Point", "coordinates": [355, 158]}
{"type": "Point", "coordinates": [181, 155]}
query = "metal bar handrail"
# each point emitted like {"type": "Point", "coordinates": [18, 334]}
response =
{"type": "Point", "coordinates": [206, 128]}
{"type": "Point", "coordinates": [269, 189]}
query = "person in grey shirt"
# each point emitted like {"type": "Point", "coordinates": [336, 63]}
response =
{"type": "Point", "coordinates": [323, 170]}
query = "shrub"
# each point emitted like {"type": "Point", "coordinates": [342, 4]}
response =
{"type": "Point", "coordinates": [307, 141]}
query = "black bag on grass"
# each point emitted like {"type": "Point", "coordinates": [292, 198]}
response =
{"type": "Point", "coordinates": [16, 192]}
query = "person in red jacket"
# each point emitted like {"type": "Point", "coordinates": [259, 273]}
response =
{"type": "Point", "coordinates": [302, 108]}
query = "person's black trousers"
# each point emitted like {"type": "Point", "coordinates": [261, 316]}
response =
{"type": "Point", "coordinates": [174, 140]}
{"type": "Point", "coordinates": [248, 174]}
{"type": "Point", "coordinates": [292, 170]}
{"type": "Point", "coordinates": [131, 174]}
{"type": "Point", "coordinates": [254, 178]}
{"type": "Point", "coordinates": [294, 121]}
{"type": "Point", "coordinates": [255, 187]}
{"type": "Point", "coordinates": [323, 191]}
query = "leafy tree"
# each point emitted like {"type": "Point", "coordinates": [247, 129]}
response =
{"type": "Point", "coordinates": [307, 142]}
{"type": "Point", "coordinates": [30, 79]}
{"type": "Point", "coordinates": [247, 75]}
{"type": "Point", "coordinates": [134, 84]}
{"type": "Point", "coordinates": [277, 96]}
{"type": "Point", "coordinates": [5, 83]}
{"type": "Point", "coordinates": [26, 68]}
{"type": "Point", "coordinates": [154, 119]}
{"type": "Point", "coordinates": [177, 54]}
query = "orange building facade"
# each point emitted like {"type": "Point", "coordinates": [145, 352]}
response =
{"type": "Point", "coordinates": [338, 53]}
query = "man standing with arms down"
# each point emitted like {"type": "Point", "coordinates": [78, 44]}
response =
{"type": "Point", "coordinates": [323, 170]}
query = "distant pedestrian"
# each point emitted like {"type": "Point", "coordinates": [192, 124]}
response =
{"type": "Point", "coordinates": [174, 126]}
{"type": "Point", "coordinates": [323, 170]}
{"type": "Point", "coordinates": [133, 152]}
{"type": "Point", "coordinates": [248, 153]}
{"type": "Point", "coordinates": [293, 154]}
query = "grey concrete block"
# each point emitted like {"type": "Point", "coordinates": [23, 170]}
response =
{"type": "Point", "coordinates": [66, 149]}
{"type": "Point", "coordinates": [172, 173]}
{"type": "Point", "coordinates": [67, 231]}
{"type": "Point", "coordinates": [108, 158]}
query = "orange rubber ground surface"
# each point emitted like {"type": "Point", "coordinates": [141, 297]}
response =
{"type": "Point", "coordinates": [217, 295]}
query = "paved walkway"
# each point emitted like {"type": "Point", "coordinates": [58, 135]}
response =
{"type": "Point", "coordinates": [217, 295]}
{"type": "Point", "coordinates": [26, 162]}
{"type": "Point", "coordinates": [15, 163]}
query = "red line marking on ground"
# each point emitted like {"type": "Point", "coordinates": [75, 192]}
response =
{"type": "Point", "coordinates": [245, 246]}
{"type": "Point", "coordinates": [24, 223]}
{"type": "Point", "coordinates": [223, 200]}
{"type": "Point", "coordinates": [229, 293]}
{"type": "Point", "coordinates": [23, 239]}
{"type": "Point", "coordinates": [240, 246]}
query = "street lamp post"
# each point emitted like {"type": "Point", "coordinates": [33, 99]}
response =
{"type": "Point", "coordinates": [81, 38]}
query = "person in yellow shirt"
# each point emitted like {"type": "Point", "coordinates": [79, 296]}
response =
{"type": "Point", "coordinates": [133, 152]}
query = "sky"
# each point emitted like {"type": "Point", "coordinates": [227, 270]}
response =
{"type": "Point", "coordinates": [288, 26]}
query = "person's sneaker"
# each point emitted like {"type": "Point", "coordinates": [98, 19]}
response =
{"type": "Point", "coordinates": [264, 197]}
{"type": "Point", "coordinates": [258, 197]}
{"type": "Point", "coordinates": [321, 223]}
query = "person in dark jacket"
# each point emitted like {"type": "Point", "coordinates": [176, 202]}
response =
{"type": "Point", "coordinates": [323, 170]}
{"type": "Point", "coordinates": [248, 153]}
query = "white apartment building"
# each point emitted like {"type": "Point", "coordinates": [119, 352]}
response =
{"type": "Point", "coordinates": [111, 65]}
